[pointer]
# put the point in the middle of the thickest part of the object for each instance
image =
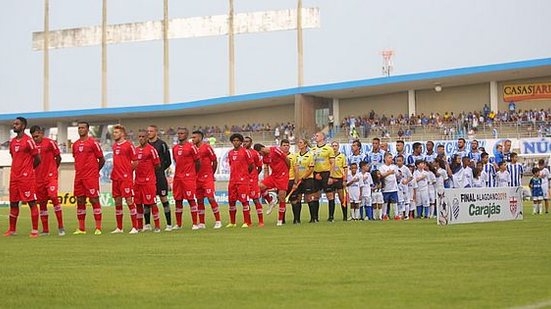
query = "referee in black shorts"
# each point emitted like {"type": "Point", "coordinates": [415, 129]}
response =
{"type": "Point", "coordinates": [160, 173]}
{"type": "Point", "coordinates": [324, 160]}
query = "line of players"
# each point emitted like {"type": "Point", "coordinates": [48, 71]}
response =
{"type": "Point", "coordinates": [408, 182]}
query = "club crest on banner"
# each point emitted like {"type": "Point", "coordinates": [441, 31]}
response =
{"type": "Point", "coordinates": [513, 205]}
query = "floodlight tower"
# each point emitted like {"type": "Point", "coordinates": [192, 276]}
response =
{"type": "Point", "coordinates": [388, 67]}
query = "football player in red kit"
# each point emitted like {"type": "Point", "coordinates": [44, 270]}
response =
{"type": "Point", "coordinates": [186, 158]}
{"type": "Point", "coordinates": [145, 184]}
{"type": "Point", "coordinates": [241, 164]}
{"type": "Point", "coordinates": [125, 161]}
{"type": "Point", "coordinates": [254, 189]}
{"type": "Point", "coordinates": [25, 158]}
{"type": "Point", "coordinates": [279, 178]}
{"type": "Point", "coordinates": [205, 179]}
{"type": "Point", "coordinates": [88, 162]}
{"type": "Point", "coordinates": [46, 179]}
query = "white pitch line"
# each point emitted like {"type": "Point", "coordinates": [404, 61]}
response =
{"type": "Point", "coordinates": [542, 304]}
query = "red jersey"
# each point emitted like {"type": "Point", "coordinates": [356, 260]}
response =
{"type": "Point", "coordinates": [48, 167]}
{"type": "Point", "coordinates": [22, 152]}
{"type": "Point", "coordinates": [207, 156]}
{"type": "Point", "coordinates": [239, 165]}
{"type": "Point", "coordinates": [148, 158]}
{"type": "Point", "coordinates": [185, 156]}
{"type": "Point", "coordinates": [279, 167]}
{"type": "Point", "coordinates": [257, 162]}
{"type": "Point", "coordinates": [123, 155]}
{"type": "Point", "coordinates": [86, 154]}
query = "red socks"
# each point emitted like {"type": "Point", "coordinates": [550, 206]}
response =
{"type": "Point", "coordinates": [97, 214]}
{"type": "Point", "coordinates": [44, 216]}
{"type": "Point", "coordinates": [281, 210]}
{"type": "Point", "coordinates": [215, 209]}
{"type": "Point", "coordinates": [258, 207]}
{"type": "Point", "coordinates": [133, 214]}
{"type": "Point", "coordinates": [201, 210]}
{"type": "Point", "coordinates": [59, 216]}
{"type": "Point", "coordinates": [155, 211]}
{"type": "Point", "coordinates": [247, 213]}
{"type": "Point", "coordinates": [193, 210]}
{"type": "Point", "coordinates": [139, 216]}
{"type": "Point", "coordinates": [34, 217]}
{"type": "Point", "coordinates": [266, 196]}
{"type": "Point", "coordinates": [14, 213]}
{"type": "Point", "coordinates": [118, 215]}
{"type": "Point", "coordinates": [179, 212]}
{"type": "Point", "coordinates": [233, 211]}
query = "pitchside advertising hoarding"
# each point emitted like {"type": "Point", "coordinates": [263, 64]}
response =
{"type": "Point", "coordinates": [470, 205]}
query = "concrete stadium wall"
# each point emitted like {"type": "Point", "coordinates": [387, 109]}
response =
{"type": "Point", "coordinates": [524, 105]}
{"type": "Point", "coordinates": [388, 104]}
{"type": "Point", "coordinates": [271, 115]}
{"type": "Point", "coordinates": [453, 99]}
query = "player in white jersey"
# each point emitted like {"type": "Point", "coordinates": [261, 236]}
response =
{"type": "Point", "coordinates": [441, 177]}
{"type": "Point", "coordinates": [404, 177]}
{"type": "Point", "coordinates": [467, 173]}
{"type": "Point", "coordinates": [421, 176]}
{"type": "Point", "coordinates": [544, 175]}
{"type": "Point", "coordinates": [478, 181]}
{"type": "Point", "coordinates": [377, 195]}
{"type": "Point", "coordinates": [390, 189]}
{"type": "Point", "coordinates": [432, 188]}
{"type": "Point", "coordinates": [515, 170]}
{"type": "Point", "coordinates": [354, 185]}
{"type": "Point", "coordinates": [400, 145]}
{"type": "Point", "coordinates": [412, 189]}
{"type": "Point", "coordinates": [376, 156]}
{"type": "Point", "coordinates": [366, 192]}
{"type": "Point", "coordinates": [502, 176]}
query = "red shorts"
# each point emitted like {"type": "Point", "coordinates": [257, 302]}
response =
{"type": "Point", "coordinates": [88, 187]}
{"type": "Point", "coordinates": [145, 193]}
{"type": "Point", "coordinates": [183, 190]}
{"type": "Point", "coordinates": [122, 188]}
{"type": "Point", "coordinates": [254, 190]}
{"type": "Point", "coordinates": [276, 183]}
{"type": "Point", "coordinates": [47, 190]}
{"type": "Point", "coordinates": [238, 192]}
{"type": "Point", "coordinates": [204, 189]}
{"type": "Point", "coordinates": [22, 191]}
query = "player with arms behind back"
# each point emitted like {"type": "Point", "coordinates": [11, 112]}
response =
{"type": "Point", "coordinates": [241, 165]}
{"type": "Point", "coordinates": [25, 158]}
{"type": "Point", "coordinates": [46, 179]}
{"type": "Point", "coordinates": [88, 162]}
{"type": "Point", "coordinates": [160, 175]}
{"type": "Point", "coordinates": [145, 186]}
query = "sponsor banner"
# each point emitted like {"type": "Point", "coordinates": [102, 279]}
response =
{"type": "Point", "coordinates": [470, 205]}
{"type": "Point", "coordinates": [541, 145]}
{"type": "Point", "coordinates": [523, 92]}
{"type": "Point", "coordinates": [67, 199]}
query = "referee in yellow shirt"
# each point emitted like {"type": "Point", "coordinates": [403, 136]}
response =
{"type": "Point", "coordinates": [324, 159]}
{"type": "Point", "coordinates": [337, 175]}
{"type": "Point", "coordinates": [303, 180]}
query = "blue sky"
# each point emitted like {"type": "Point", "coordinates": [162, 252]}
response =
{"type": "Point", "coordinates": [425, 34]}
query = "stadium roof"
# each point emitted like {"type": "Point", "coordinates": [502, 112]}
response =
{"type": "Point", "coordinates": [350, 89]}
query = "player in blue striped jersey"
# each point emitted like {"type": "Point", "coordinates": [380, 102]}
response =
{"type": "Point", "coordinates": [376, 156]}
{"type": "Point", "coordinates": [475, 153]}
{"type": "Point", "coordinates": [417, 154]}
{"type": "Point", "coordinates": [356, 156]}
{"type": "Point", "coordinates": [461, 148]}
{"type": "Point", "coordinates": [430, 155]}
{"type": "Point", "coordinates": [515, 170]}
{"type": "Point", "coordinates": [489, 170]}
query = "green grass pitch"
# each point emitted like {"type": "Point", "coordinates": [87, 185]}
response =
{"type": "Point", "coordinates": [343, 264]}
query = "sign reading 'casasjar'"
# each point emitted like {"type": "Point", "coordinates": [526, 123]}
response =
{"type": "Point", "coordinates": [522, 92]}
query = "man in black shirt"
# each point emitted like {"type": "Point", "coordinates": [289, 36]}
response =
{"type": "Point", "coordinates": [160, 173]}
